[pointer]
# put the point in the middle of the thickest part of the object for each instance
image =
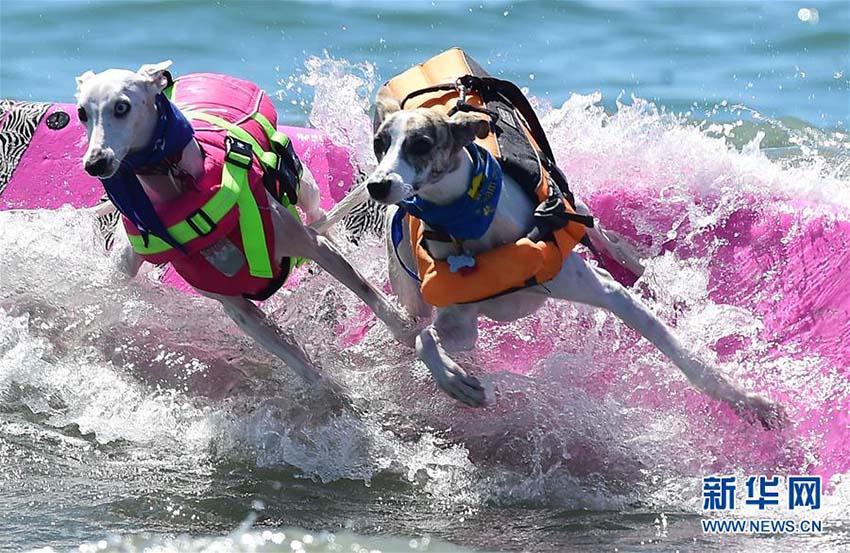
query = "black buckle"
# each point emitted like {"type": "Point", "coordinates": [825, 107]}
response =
{"type": "Point", "coordinates": [212, 224]}
{"type": "Point", "coordinates": [236, 146]}
{"type": "Point", "coordinates": [287, 179]}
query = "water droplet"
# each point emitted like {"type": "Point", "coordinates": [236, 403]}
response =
{"type": "Point", "coordinates": [531, 76]}
{"type": "Point", "coordinates": [808, 15]}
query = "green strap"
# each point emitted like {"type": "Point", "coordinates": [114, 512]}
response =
{"type": "Point", "coordinates": [250, 220]}
{"type": "Point", "coordinates": [216, 208]}
{"type": "Point", "coordinates": [274, 135]}
{"type": "Point", "coordinates": [268, 159]}
{"type": "Point", "coordinates": [235, 190]}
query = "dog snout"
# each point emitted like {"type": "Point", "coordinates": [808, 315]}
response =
{"type": "Point", "coordinates": [379, 189]}
{"type": "Point", "coordinates": [98, 164]}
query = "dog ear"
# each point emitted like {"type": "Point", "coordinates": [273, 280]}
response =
{"type": "Point", "coordinates": [385, 105]}
{"type": "Point", "coordinates": [466, 126]}
{"type": "Point", "coordinates": [157, 73]}
{"type": "Point", "coordinates": [84, 77]}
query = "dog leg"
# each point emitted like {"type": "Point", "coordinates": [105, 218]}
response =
{"type": "Point", "coordinates": [258, 326]}
{"type": "Point", "coordinates": [126, 259]}
{"type": "Point", "coordinates": [459, 325]}
{"type": "Point", "coordinates": [294, 239]}
{"type": "Point", "coordinates": [617, 247]}
{"type": "Point", "coordinates": [581, 282]}
{"type": "Point", "coordinates": [309, 199]}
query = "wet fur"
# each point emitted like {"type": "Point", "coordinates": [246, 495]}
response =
{"type": "Point", "coordinates": [111, 138]}
{"type": "Point", "coordinates": [442, 176]}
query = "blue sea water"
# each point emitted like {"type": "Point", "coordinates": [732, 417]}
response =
{"type": "Point", "coordinates": [95, 459]}
{"type": "Point", "coordinates": [782, 58]}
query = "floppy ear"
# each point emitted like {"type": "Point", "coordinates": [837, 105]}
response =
{"type": "Point", "coordinates": [83, 78]}
{"type": "Point", "coordinates": [466, 126]}
{"type": "Point", "coordinates": [157, 73]}
{"type": "Point", "coordinates": [385, 105]}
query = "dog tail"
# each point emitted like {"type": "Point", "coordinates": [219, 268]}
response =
{"type": "Point", "coordinates": [356, 197]}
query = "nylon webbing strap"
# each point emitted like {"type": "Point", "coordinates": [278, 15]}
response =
{"type": "Point", "coordinates": [237, 163]}
{"type": "Point", "coordinates": [187, 230]}
{"type": "Point", "coordinates": [235, 190]}
{"type": "Point", "coordinates": [268, 159]}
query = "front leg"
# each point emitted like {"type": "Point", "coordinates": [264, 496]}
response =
{"type": "Point", "coordinates": [125, 257]}
{"type": "Point", "coordinates": [583, 283]}
{"type": "Point", "coordinates": [458, 325]}
{"type": "Point", "coordinates": [277, 341]}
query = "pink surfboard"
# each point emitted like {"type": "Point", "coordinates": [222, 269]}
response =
{"type": "Point", "coordinates": [41, 168]}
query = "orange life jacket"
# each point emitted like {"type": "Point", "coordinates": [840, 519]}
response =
{"type": "Point", "coordinates": [452, 81]}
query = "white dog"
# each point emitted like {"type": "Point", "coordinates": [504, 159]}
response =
{"type": "Point", "coordinates": [422, 152]}
{"type": "Point", "coordinates": [119, 110]}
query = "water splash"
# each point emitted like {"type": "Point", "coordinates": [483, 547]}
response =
{"type": "Point", "coordinates": [744, 255]}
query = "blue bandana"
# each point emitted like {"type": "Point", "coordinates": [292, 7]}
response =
{"type": "Point", "coordinates": [173, 132]}
{"type": "Point", "coordinates": [466, 218]}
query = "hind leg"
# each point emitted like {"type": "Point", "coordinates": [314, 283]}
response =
{"type": "Point", "coordinates": [583, 283]}
{"type": "Point", "coordinates": [617, 247]}
{"type": "Point", "coordinates": [310, 198]}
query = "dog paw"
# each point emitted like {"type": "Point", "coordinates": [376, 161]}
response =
{"type": "Point", "coordinates": [770, 414]}
{"type": "Point", "coordinates": [461, 386]}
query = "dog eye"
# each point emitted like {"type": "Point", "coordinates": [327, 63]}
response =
{"type": "Point", "coordinates": [81, 113]}
{"type": "Point", "coordinates": [122, 108]}
{"type": "Point", "coordinates": [420, 146]}
{"type": "Point", "coordinates": [381, 144]}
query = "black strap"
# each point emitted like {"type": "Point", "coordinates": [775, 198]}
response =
{"type": "Point", "coordinates": [437, 235]}
{"type": "Point", "coordinates": [517, 99]}
{"type": "Point", "coordinates": [510, 92]}
{"type": "Point", "coordinates": [469, 108]}
{"type": "Point", "coordinates": [427, 90]}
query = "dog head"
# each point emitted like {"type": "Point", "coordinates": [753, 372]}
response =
{"type": "Point", "coordinates": [118, 108]}
{"type": "Point", "coordinates": [416, 149]}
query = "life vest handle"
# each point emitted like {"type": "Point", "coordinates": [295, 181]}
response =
{"type": "Point", "coordinates": [428, 90]}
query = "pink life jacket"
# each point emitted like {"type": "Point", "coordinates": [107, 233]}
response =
{"type": "Point", "coordinates": [235, 126]}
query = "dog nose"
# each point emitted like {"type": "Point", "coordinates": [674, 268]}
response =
{"type": "Point", "coordinates": [97, 165]}
{"type": "Point", "coordinates": [379, 189]}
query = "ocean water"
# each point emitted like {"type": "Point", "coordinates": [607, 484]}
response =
{"type": "Point", "coordinates": [715, 133]}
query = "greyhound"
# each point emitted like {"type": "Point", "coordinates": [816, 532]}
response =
{"type": "Point", "coordinates": [119, 111]}
{"type": "Point", "coordinates": [422, 152]}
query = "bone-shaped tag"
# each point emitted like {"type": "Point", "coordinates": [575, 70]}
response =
{"type": "Point", "coordinates": [458, 262]}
